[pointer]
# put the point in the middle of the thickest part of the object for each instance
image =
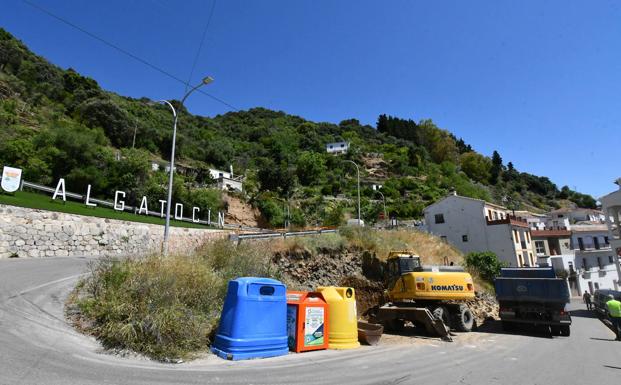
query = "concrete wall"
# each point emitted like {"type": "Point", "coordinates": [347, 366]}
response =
{"type": "Point", "coordinates": [38, 233]}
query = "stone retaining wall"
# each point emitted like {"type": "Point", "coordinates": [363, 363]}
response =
{"type": "Point", "coordinates": [39, 233]}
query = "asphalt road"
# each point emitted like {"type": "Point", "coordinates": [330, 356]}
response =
{"type": "Point", "coordinates": [37, 346]}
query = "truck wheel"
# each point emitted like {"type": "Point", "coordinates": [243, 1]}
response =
{"type": "Point", "coordinates": [395, 325]}
{"type": "Point", "coordinates": [442, 313]}
{"type": "Point", "coordinates": [565, 330]}
{"type": "Point", "coordinates": [507, 326]}
{"type": "Point", "coordinates": [464, 320]}
{"type": "Point", "coordinates": [555, 330]}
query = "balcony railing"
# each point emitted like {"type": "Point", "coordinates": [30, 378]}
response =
{"type": "Point", "coordinates": [593, 247]}
{"type": "Point", "coordinates": [509, 219]}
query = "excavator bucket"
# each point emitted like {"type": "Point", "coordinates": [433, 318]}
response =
{"type": "Point", "coordinates": [420, 315]}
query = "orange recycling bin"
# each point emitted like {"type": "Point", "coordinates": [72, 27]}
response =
{"type": "Point", "coordinates": [307, 326]}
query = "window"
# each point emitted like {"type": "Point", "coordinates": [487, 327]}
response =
{"type": "Point", "coordinates": [439, 218]}
{"type": "Point", "coordinates": [495, 215]}
{"type": "Point", "coordinates": [560, 215]}
{"type": "Point", "coordinates": [596, 242]}
{"type": "Point", "coordinates": [599, 262]}
{"type": "Point", "coordinates": [571, 266]}
{"type": "Point", "coordinates": [489, 214]}
{"type": "Point", "coordinates": [610, 259]}
{"type": "Point", "coordinates": [516, 238]}
{"type": "Point", "coordinates": [580, 244]}
{"type": "Point", "coordinates": [527, 236]}
{"type": "Point", "coordinates": [464, 238]}
{"type": "Point", "coordinates": [584, 264]}
{"type": "Point", "coordinates": [606, 241]}
{"type": "Point", "coordinates": [540, 247]}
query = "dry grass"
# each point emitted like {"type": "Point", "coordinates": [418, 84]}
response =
{"type": "Point", "coordinates": [431, 249]}
{"type": "Point", "coordinates": [163, 307]}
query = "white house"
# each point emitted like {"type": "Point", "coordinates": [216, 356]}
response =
{"type": "Point", "coordinates": [568, 216]}
{"type": "Point", "coordinates": [337, 147]}
{"type": "Point", "coordinates": [475, 225]}
{"type": "Point", "coordinates": [226, 180]}
{"type": "Point", "coordinates": [611, 206]}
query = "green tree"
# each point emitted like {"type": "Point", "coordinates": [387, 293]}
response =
{"type": "Point", "coordinates": [311, 167]}
{"type": "Point", "coordinates": [476, 166]}
{"type": "Point", "coordinates": [486, 264]}
{"type": "Point", "coordinates": [496, 168]}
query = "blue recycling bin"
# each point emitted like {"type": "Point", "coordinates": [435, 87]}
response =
{"type": "Point", "coordinates": [254, 320]}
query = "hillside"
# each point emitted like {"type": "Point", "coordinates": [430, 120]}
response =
{"type": "Point", "coordinates": [56, 123]}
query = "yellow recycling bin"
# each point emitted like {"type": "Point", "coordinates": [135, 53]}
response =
{"type": "Point", "coordinates": [342, 317]}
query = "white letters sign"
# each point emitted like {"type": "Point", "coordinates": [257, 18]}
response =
{"type": "Point", "coordinates": [11, 178]}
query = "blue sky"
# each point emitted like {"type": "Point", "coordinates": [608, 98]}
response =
{"type": "Point", "coordinates": [539, 81]}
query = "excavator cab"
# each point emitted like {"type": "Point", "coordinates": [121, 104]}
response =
{"type": "Point", "coordinates": [400, 263]}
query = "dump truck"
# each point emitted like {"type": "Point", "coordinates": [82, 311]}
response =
{"type": "Point", "coordinates": [432, 297]}
{"type": "Point", "coordinates": [533, 295]}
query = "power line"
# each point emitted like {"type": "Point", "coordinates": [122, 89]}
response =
{"type": "Point", "coordinates": [200, 46]}
{"type": "Point", "coordinates": [124, 51]}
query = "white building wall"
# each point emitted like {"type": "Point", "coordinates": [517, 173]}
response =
{"type": "Point", "coordinates": [466, 217]}
{"type": "Point", "coordinates": [500, 241]}
{"type": "Point", "coordinates": [461, 217]}
{"type": "Point", "coordinates": [216, 174]}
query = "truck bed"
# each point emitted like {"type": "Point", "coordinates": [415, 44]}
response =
{"type": "Point", "coordinates": [537, 290]}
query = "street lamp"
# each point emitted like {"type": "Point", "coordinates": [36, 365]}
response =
{"type": "Point", "coordinates": [205, 80]}
{"type": "Point", "coordinates": [383, 200]}
{"type": "Point", "coordinates": [358, 171]}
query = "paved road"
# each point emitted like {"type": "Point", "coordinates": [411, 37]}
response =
{"type": "Point", "coordinates": [38, 347]}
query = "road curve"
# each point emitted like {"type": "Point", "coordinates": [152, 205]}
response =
{"type": "Point", "coordinates": [37, 346]}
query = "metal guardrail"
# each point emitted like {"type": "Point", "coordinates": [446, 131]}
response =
{"type": "Point", "coordinates": [250, 236]}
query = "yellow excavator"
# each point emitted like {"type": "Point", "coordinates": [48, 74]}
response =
{"type": "Point", "coordinates": [429, 296]}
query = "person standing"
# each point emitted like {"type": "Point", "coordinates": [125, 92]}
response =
{"type": "Point", "coordinates": [614, 310]}
{"type": "Point", "coordinates": [586, 297]}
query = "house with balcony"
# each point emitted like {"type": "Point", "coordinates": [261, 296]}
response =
{"type": "Point", "coordinates": [594, 257]}
{"type": "Point", "coordinates": [553, 247]}
{"type": "Point", "coordinates": [611, 206]}
{"type": "Point", "coordinates": [565, 217]}
{"type": "Point", "coordinates": [474, 225]}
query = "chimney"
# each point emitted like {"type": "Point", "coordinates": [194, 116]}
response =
{"type": "Point", "coordinates": [231, 168]}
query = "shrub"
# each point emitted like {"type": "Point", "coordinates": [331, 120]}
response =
{"type": "Point", "coordinates": [484, 264]}
{"type": "Point", "coordinates": [164, 307]}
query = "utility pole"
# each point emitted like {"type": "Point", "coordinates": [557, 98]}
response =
{"type": "Point", "coordinates": [358, 172]}
{"type": "Point", "coordinates": [135, 130]}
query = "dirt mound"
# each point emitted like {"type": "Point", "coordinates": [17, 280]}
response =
{"type": "Point", "coordinates": [241, 213]}
{"type": "Point", "coordinates": [368, 293]}
{"type": "Point", "coordinates": [484, 307]}
{"type": "Point", "coordinates": [304, 271]}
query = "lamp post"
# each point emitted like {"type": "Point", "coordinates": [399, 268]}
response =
{"type": "Point", "coordinates": [358, 172]}
{"type": "Point", "coordinates": [206, 80]}
{"type": "Point", "coordinates": [384, 201]}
